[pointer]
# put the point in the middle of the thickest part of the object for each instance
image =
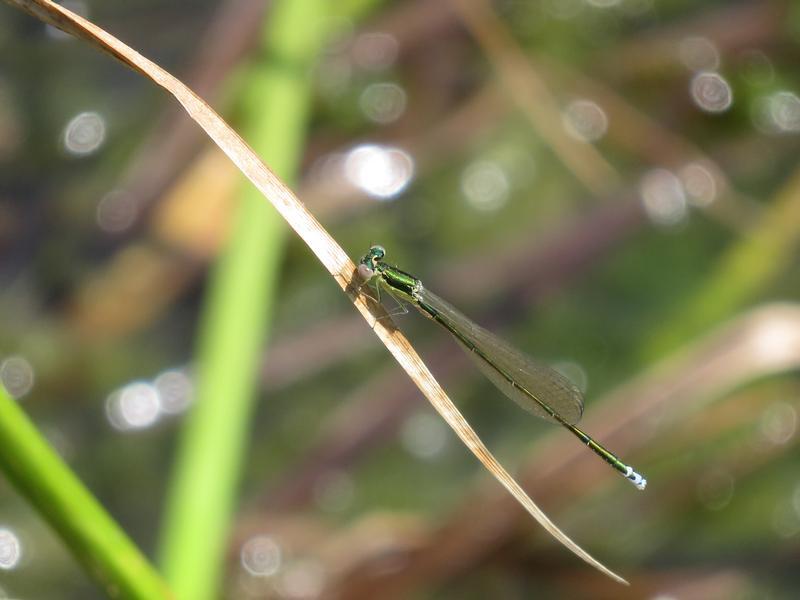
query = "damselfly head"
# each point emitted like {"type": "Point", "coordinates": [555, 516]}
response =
{"type": "Point", "coordinates": [371, 258]}
{"type": "Point", "coordinates": [376, 253]}
{"type": "Point", "coordinates": [368, 262]}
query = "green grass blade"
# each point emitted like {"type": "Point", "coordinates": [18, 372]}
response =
{"type": "Point", "coordinates": [42, 477]}
{"type": "Point", "coordinates": [274, 116]}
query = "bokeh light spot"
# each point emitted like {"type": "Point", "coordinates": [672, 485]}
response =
{"type": "Point", "coordinates": [424, 435]}
{"type": "Point", "coordinates": [84, 134]}
{"type": "Point", "coordinates": [585, 120]}
{"type": "Point", "coordinates": [785, 520]}
{"type": "Point", "coordinates": [699, 183]}
{"type": "Point", "coordinates": [485, 185]}
{"type": "Point", "coordinates": [136, 406]}
{"type": "Point", "coordinates": [663, 197]}
{"type": "Point", "coordinates": [784, 111]}
{"type": "Point", "coordinates": [711, 92]}
{"type": "Point", "coordinates": [779, 423]}
{"type": "Point", "coordinates": [17, 376]}
{"type": "Point", "coordinates": [10, 549]}
{"type": "Point", "coordinates": [175, 390]}
{"type": "Point", "coordinates": [261, 556]}
{"type": "Point", "coordinates": [775, 343]}
{"type": "Point", "coordinates": [383, 102]}
{"type": "Point", "coordinates": [380, 171]}
{"type": "Point", "coordinates": [117, 211]}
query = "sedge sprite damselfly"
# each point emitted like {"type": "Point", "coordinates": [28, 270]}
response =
{"type": "Point", "coordinates": [534, 386]}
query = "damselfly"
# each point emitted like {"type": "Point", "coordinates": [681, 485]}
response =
{"type": "Point", "coordinates": [534, 386]}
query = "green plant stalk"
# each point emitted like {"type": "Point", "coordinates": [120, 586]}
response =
{"type": "Point", "coordinates": [95, 539]}
{"type": "Point", "coordinates": [240, 299]}
{"type": "Point", "coordinates": [750, 264]}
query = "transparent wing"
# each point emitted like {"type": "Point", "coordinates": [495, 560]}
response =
{"type": "Point", "coordinates": [539, 389]}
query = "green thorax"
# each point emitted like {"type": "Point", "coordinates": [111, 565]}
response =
{"type": "Point", "coordinates": [397, 282]}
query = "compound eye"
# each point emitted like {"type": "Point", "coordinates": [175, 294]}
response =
{"type": "Point", "coordinates": [377, 252]}
{"type": "Point", "coordinates": [365, 272]}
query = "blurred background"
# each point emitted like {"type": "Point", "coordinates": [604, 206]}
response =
{"type": "Point", "coordinates": [610, 185]}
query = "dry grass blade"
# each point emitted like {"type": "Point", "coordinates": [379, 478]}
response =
{"type": "Point", "coordinates": [308, 228]}
{"type": "Point", "coordinates": [530, 92]}
{"type": "Point", "coordinates": [685, 397]}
